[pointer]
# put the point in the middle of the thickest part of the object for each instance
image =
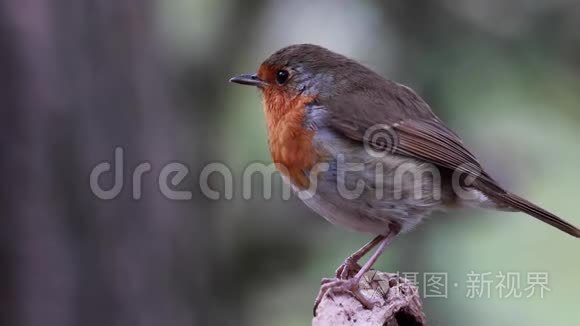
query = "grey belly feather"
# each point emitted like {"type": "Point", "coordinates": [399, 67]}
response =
{"type": "Point", "coordinates": [366, 193]}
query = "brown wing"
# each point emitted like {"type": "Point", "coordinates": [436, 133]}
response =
{"type": "Point", "coordinates": [416, 131]}
{"type": "Point", "coordinates": [419, 134]}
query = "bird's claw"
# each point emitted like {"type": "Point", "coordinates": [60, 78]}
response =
{"type": "Point", "coordinates": [350, 286]}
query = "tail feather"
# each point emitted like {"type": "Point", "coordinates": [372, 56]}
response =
{"type": "Point", "coordinates": [541, 214]}
{"type": "Point", "coordinates": [527, 207]}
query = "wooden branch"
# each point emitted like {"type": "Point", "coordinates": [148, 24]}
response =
{"type": "Point", "coordinates": [397, 304]}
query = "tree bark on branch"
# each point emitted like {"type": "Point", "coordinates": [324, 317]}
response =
{"type": "Point", "coordinates": [397, 303]}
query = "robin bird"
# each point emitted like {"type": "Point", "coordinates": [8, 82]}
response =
{"type": "Point", "coordinates": [368, 153]}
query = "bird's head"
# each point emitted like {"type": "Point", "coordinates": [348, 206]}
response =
{"type": "Point", "coordinates": [304, 69]}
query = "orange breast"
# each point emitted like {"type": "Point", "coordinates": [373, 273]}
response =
{"type": "Point", "coordinates": [290, 143]}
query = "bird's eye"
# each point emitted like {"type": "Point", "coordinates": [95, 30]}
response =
{"type": "Point", "coordinates": [282, 76]}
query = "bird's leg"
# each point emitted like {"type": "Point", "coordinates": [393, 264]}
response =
{"type": "Point", "coordinates": [352, 285]}
{"type": "Point", "coordinates": [350, 265]}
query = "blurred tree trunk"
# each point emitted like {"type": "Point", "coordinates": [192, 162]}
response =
{"type": "Point", "coordinates": [78, 78]}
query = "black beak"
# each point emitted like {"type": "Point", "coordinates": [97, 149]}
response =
{"type": "Point", "coordinates": [247, 79]}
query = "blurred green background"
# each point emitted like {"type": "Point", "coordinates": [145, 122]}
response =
{"type": "Point", "coordinates": [504, 75]}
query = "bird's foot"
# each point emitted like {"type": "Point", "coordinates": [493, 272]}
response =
{"type": "Point", "coordinates": [350, 286]}
{"type": "Point", "coordinates": [348, 269]}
